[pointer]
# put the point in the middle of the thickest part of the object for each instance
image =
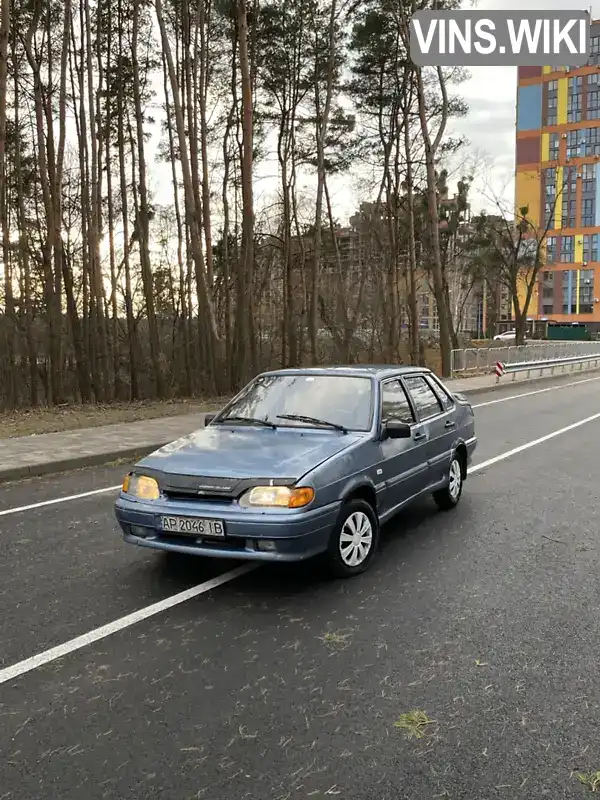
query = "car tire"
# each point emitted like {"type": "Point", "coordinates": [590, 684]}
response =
{"type": "Point", "coordinates": [356, 527]}
{"type": "Point", "coordinates": [449, 497]}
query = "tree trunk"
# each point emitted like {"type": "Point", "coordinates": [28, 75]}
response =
{"type": "Point", "coordinates": [191, 207]}
{"type": "Point", "coordinates": [45, 140]}
{"type": "Point", "coordinates": [10, 322]}
{"type": "Point", "coordinates": [445, 321]}
{"type": "Point", "coordinates": [322, 127]}
{"type": "Point", "coordinates": [134, 389]}
{"type": "Point", "coordinates": [24, 244]}
{"type": "Point", "coordinates": [185, 311]}
{"type": "Point", "coordinates": [143, 219]}
{"type": "Point", "coordinates": [414, 330]}
{"type": "Point", "coordinates": [247, 363]}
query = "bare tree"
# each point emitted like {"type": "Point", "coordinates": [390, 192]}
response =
{"type": "Point", "coordinates": [512, 246]}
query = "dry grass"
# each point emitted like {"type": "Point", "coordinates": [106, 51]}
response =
{"type": "Point", "coordinates": [591, 781]}
{"type": "Point", "coordinates": [72, 417]}
{"type": "Point", "coordinates": [414, 723]}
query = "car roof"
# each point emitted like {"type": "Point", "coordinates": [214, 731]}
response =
{"type": "Point", "coordinates": [379, 371]}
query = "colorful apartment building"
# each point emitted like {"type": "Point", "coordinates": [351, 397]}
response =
{"type": "Point", "coordinates": [558, 178]}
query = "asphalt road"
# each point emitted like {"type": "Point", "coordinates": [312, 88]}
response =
{"type": "Point", "coordinates": [284, 684]}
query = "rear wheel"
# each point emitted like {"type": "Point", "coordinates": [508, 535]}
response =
{"type": "Point", "coordinates": [354, 540]}
{"type": "Point", "coordinates": [448, 497]}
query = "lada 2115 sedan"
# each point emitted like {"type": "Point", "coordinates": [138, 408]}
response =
{"type": "Point", "coordinates": [303, 462]}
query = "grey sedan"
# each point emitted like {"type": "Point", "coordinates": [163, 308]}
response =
{"type": "Point", "coordinates": [303, 463]}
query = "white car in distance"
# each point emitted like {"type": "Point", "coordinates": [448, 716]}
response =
{"type": "Point", "coordinates": [506, 336]}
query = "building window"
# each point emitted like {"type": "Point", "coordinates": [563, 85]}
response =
{"type": "Point", "coordinates": [550, 182]}
{"type": "Point", "coordinates": [586, 291]}
{"type": "Point", "coordinates": [550, 252]}
{"type": "Point", "coordinates": [569, 180]}
{"type": "Point", "coordinates": [569, 289]}
{"type": "Point", "coordinates": [595, 45]}
{"type": "Point", "coordinates": [573, 138]}
{"type": "Point", "coordinates": [547, 310]}
{"type": "Point", "coordinates": [574, 99]}
{"type": "Point", "coordinates": [590, 247]}
{"type": "Point", "coordinates": [593, 104]}
{"type": "Point", "coordinates": [588, 177]}
{"type": "Point", "coordinates": [552, 103]}
{"type": "Point", "coordinates": [593, 79]}
{"type": "Point", "coordinates": [548, 276]}
{"type": "Point", "coordinates": [590, 140]}
{"type": "Point", "coordinates": [550, 192]}
{"type": "Point", "coordinates": [569, 212]}
{"type": "Point", "coordinates": [567, 249]}
{"type": "Point", "coordinates": [568, 198]}
{"type": "Point", "coordinates": [548, 292]}
{"type": "Point", "coordinates": [554, 149]}
{"type": "Point", "coordinates": [588, 212]}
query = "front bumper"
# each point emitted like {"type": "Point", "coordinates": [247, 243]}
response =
{"type": "Point", "coordinates": [295, 535]}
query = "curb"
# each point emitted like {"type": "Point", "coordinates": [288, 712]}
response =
{"type": "Point", "coordinates": [77, 462]}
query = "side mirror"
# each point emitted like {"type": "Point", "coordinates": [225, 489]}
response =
{"type": "Point", "coordinates": [208, 418]}
{"type": "Point", "coordinates": [397, 430]}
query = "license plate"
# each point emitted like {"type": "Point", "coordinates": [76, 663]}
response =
{"type": "Point", "coordinates": [192, 526]}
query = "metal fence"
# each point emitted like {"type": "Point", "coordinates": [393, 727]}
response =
{"type": "Point", "coordinates": [482, 360]}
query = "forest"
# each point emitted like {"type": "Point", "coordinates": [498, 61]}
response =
{"type": "Point", "coordinates": [169, 224]}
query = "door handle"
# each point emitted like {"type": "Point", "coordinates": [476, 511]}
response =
{"type": "Point", "coordinates": [450, 424]}
{"type": "Point", "coordinates": [419, 435]}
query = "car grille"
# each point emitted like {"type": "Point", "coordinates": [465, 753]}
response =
{"type": "Point", "coordinates": [190, 494]}
{"type": "Point", "coordinates": [213, 490]}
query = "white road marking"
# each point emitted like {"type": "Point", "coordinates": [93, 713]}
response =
{"type": "Point", "coordinates": [22, 667]}
{"type": "Point", "coordinates": [30, 664]}
{"type": "Point", "coordinates": [530, 394]}
{"type": "Point", "coordinates": [533, 443]}
{"type": "Point", "coordinates": [57, 500]}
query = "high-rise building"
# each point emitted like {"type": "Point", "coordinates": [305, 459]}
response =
{"type": "Point", "coordinates": [558, 178]}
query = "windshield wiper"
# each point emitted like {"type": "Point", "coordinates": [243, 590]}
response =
{"type": "Point", "coordinates": [312, 420]}
{"type": "Point", "coordinates": [249, 420]}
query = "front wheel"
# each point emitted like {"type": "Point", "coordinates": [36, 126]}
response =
{"type": "Point", "coordinates": [448, 497]}
{"type": "Point", "coordinates": [354, 540]}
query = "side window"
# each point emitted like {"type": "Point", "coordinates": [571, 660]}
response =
{"type": "Point", "coordinates": [423, 396]}
{"type": "Point", "coordinates": [441, 392]}
{"type": "Point", "coordinates": [394, 403]}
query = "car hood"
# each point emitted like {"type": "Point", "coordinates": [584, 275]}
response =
{"type": "Point", "coordinates": [244, 452]}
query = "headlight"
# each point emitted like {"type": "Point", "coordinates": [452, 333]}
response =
{"type": "Point", "coordinates": [278, 497]}
{"type": "Point", "coordinates": [141, 486]}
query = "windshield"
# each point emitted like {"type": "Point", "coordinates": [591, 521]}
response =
{"type": "Point", "coordinates": [340, 399]}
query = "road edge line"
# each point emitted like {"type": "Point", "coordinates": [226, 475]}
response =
{"type": "Point", "coordinates": [61, 650]}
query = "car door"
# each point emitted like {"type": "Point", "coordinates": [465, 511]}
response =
{"type": "Point", "coordinates": [404, 461]}
{"type": "Point", "coordinates": [439, 422]}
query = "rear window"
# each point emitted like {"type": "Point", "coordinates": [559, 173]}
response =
{"type": "Point", "coordinates": [441, 391]}
{"type": "Point", "coordinates": [425, 399]}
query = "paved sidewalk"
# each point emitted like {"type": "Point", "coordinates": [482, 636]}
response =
{"type": "Point", "coordinates": [28, 456]}
{"type": "Point", "coordinates": [31, 456]}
